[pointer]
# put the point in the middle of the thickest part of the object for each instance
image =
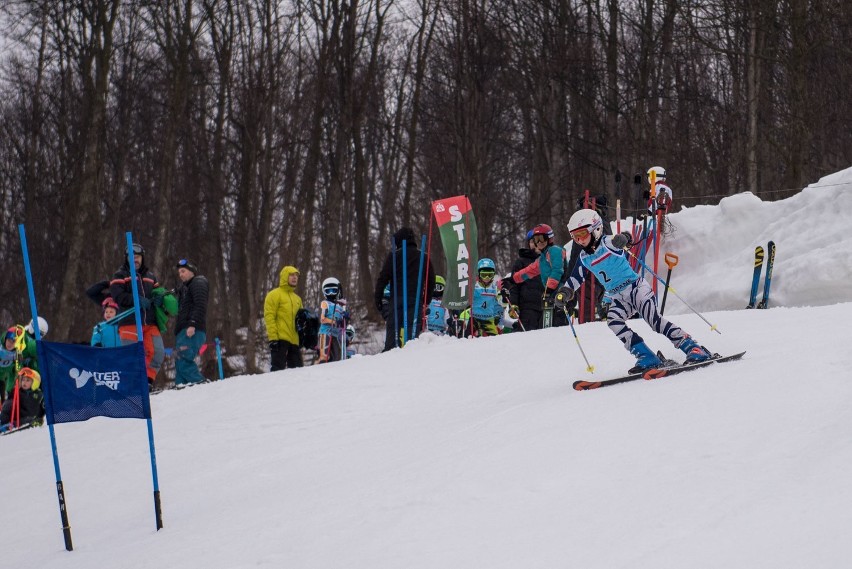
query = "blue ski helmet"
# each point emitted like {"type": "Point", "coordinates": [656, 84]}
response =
{"type": "Point", "coordinates": [485, 263]}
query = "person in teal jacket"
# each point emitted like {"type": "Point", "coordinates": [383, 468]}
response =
{"type": "Point", "coordinates": [105, 334]}
{"type": "Point", "coordinates": [550, 264]}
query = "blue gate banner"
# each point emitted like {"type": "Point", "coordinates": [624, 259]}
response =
{"type": "Point", "coordinates": [82, 382]}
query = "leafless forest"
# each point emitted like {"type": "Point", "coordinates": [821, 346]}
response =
{"type": "Point", "coordinates": [249, 134]}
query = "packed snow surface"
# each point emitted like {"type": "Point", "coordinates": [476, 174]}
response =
{"type": "Point", "coordinates": [478, 454]}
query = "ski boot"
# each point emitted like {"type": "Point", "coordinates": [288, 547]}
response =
{"type": "Point", "coordinates": [645, 358]}
{"type": "Point", "coordinates": [694, 352]}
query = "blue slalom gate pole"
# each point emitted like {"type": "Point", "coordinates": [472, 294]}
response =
{"type": "Point", "coordinates": [158, 512]}
{"type": "Point", "coordinates": [415, 320]}
{"type": "Point", "coordinates": [404, 292]}
{"type": "Point", "coordinates": [60, 489]}
{"type": "Point", "coordinates": [394, 292]}
{"type": "Point", "coordinates": [219, 358]}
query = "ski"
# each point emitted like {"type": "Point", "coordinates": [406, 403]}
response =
{"type": "Point", "coordinates": [770, 262]}
{"type": "Point", "coordinates": [755, 280]}
{"type": "Point", "coordinates": [8, 431]}
{"type": "Point", "coordinates": [656, 373]}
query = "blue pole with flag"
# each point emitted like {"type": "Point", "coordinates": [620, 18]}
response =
{"type": "Point", "coordinates": [158, 512]}
{"type": "Point", "coordinates": [404, 292]}
{"type": "Point", "coordinates": [60, 489]}
{"type": "Point", "coordinates": [418, 313]}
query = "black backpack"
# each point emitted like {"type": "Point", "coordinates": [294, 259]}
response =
{"type": "Point", "coordinates": [307, 325]}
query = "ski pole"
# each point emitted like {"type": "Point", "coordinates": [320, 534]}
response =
{"type": "Point", "coordinates": [589, 367]}
{"type": "Point", "coordinates": [671, 262]}
{"type": "Point", "coordinates": [404, 292]}
{"type": "Point", "coordinates": [674, 292]}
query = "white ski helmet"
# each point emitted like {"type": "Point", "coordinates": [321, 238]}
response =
{"type": "Point", "coordinates": [659, 170]}
{"type": "Point", "coordinates": [586, 219]}
{"type": "Point", "coordinates": [42, 327]}
{"type": "Point", "coordinates": [331, 287]}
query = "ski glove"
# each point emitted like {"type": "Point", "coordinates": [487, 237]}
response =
{"type": "Point", "coordinates": [563, 296]}
{"type": "Point", "coordinates": [622, 241]}
{"type": "Point", "coordinates": [157, 301]}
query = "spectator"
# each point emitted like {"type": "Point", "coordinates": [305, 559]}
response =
{"type": "Point", "coordinates": [527, 294]}
{"type": "Point", "coordinates": [486, 309]}
{"type": "Point", "coordinates": [279, 313]}
{"type": "Point", "coordinates": [121, 290]}
{"type": "Point", "coordinates": [333, 321]}
{"type": "Point", "coordinates": [403, 301]}
{"type": "Point", "coordinates": [191, 324]}
{"type": "Point", "coordinates": [30, 401]}
{"type": "Point", "coordinates": [660, 199]}
{"type": "Point", "coordinates": [549, 266]}
{"type": "Point", "coordinates": [15, 339]}
{"type": "Point", "coordinates": [105, 334]}
{"type": "Point", "coordinates": [437, 317]}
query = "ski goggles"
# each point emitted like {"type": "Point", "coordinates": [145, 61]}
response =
{"type": "Point", "coordinates": [330, 290]}
{"type": "Point", "coordinates": [487, 274]}
{"type": "Point", "coordinates": [539, 239]}
{"type": "Point", "coordinates": [10, 335]}
{"type": "Point", "coordinates": [439, 287]}
{"type": "Point", "coordinates": [580, 233]}
{"type": "Point", "coordinates": [27, 373]}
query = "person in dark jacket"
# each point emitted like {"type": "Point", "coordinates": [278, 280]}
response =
{"type": "Point", "coordinates": [191, 324]}
{"type": "Point", "coordinates": [400, 299]}
{"type": "Point", "coordinates": [121, 290]}
{"type": "Point", "coordinates": [30, 400]}
{"type": "Point", "coordinates": [526, 295]}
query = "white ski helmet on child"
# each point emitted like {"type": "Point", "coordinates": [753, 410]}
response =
{"type": "Point", "coordinates": [42, 327]}
{"type": "Point", "coordinates": [588, 219]}
{"type": "Point", "coordinates": [659, 171]}
{"type": "Point", "coordinates": [331, 287]}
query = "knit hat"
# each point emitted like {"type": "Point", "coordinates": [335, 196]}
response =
{"type": "Point", "coordinates": [109, 302]}
{"type": "Point", "coordinates": [404, 234]}
{"type": "Point", "coordinates": [188, 265]}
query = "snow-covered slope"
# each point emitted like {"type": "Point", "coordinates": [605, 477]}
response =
{"type": "Point", "coordinates": [478, 454]}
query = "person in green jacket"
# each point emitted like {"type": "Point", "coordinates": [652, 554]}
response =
{"type": "Point", "coordinates": [8, 353]}
{"type": "Point", "coordinates": [279, 313]}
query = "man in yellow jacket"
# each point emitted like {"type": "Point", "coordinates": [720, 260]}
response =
{"type": "Point", "coordinates": [279, 313]}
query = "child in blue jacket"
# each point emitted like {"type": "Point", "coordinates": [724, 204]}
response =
{"type": "Point", "coordinates": [105, 334]}
{"type": "Point", "coordinates": [437, 316]}
{"type": "Point", "coordinates": [486, 309]}
{"type": "Point", "coordinates": [333, 321]}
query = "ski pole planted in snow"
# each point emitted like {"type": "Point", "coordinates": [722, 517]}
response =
{"type": "Point", "coordinates": [671, 262]}
{"type": "Point", "coordinates": [561, 300]}
{"type": "Point", "coordinates": [589, 367]}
